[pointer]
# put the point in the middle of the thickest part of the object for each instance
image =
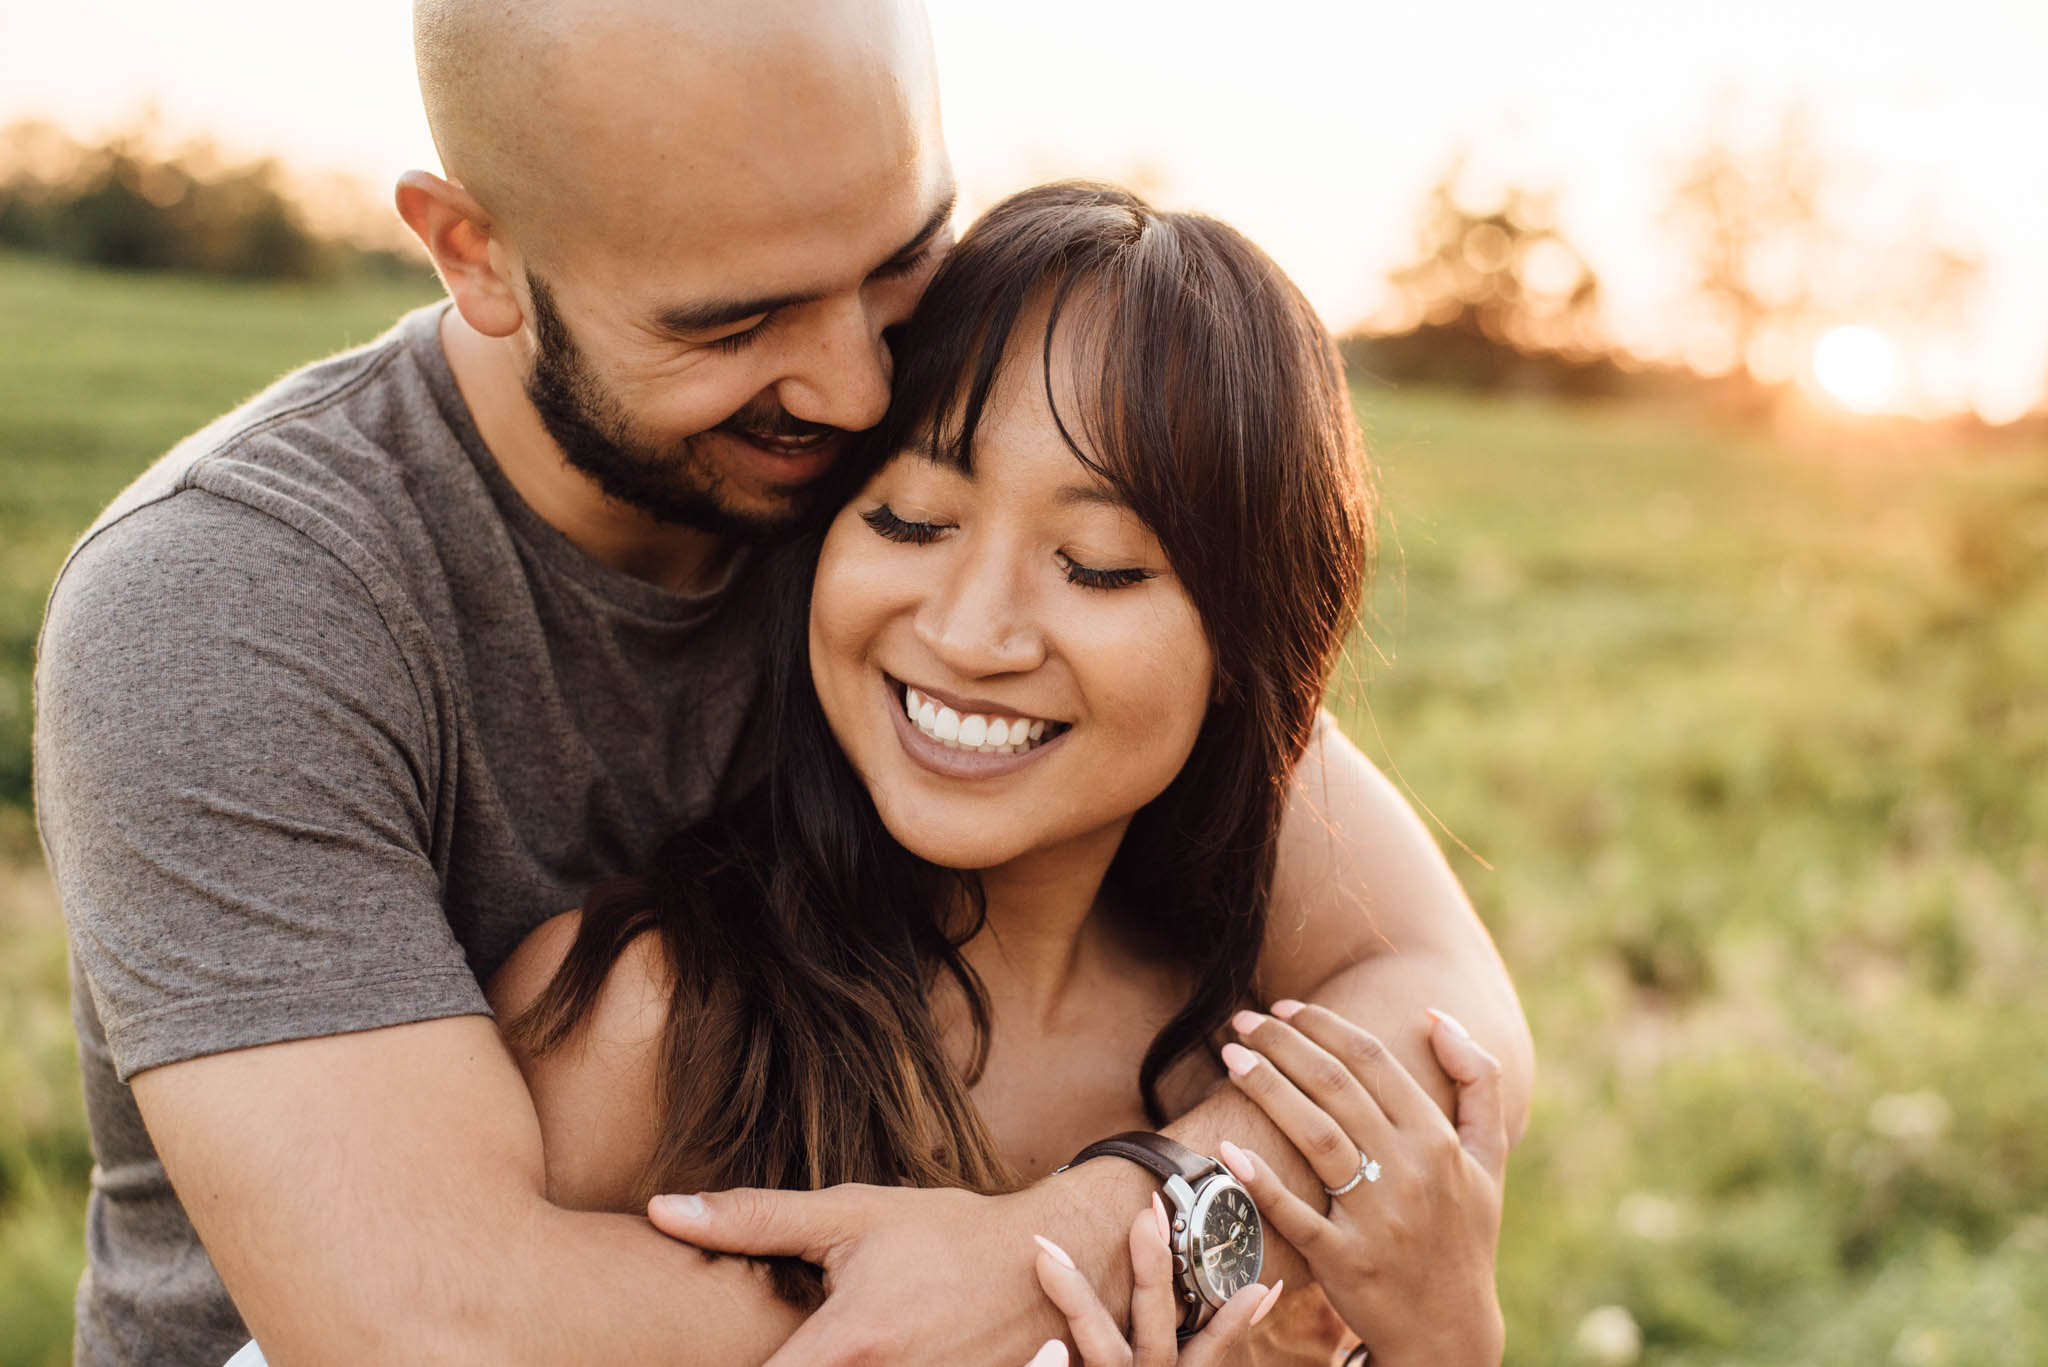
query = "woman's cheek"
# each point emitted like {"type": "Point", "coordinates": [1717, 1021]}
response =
{"type": "Point", "coordinates": [1150, 674]}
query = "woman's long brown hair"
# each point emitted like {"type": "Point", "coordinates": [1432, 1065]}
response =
{"type": "Point", "coordinates": [800, 1049]}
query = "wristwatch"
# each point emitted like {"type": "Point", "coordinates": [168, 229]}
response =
{"type": "Point", "coordinates": [1218, 1241]}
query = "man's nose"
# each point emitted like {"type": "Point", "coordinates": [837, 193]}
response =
{"type": "Point", "coordinates": [979, 619]}
{"type": "Point", "coordinates": [842, 378]}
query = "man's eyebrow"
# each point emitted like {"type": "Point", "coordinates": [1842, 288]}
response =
{"type": "Point", "coordinates": [711, 314]}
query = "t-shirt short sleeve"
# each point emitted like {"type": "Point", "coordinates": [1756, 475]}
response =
{"type": "Point", "coordinates": [233, 763]}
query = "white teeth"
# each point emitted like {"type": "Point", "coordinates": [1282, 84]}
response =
{"type": "Point", "coordinates": [983, 734]}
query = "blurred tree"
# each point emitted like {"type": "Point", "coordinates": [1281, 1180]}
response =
{"type": "Point", "coordinates": [1504, 273]}
{"type": "Point", "coordinates": [126, 206]}
{"type": "Point", "coordinates": [1495, 297]}
{"type": "Point", "coordinates": [1752, 226]}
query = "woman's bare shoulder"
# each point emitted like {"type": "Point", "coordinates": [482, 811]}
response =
{"type": "Point", "coordinates": [635, 998]}
{"type": "Point", "coordinates": [597, 1093]}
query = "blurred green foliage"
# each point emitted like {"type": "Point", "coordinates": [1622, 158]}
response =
{"type": "Point", "coordinates": [127, 205]}
{"type": "Point", "coordinates": [1747, 725]}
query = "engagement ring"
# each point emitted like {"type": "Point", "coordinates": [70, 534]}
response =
{"type": "Point", "coordinates": [1368, 1171]}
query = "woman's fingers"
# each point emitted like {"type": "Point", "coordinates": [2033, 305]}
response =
{"type": "Point", "coordinates": [1052, 1353]}
{"type": "Point", "coordinates": [1292, 1218]}
{"type": "Point", "coordinates": [1482, 1124]}
{"type": "Point", "coordinates": [1328, 1144]}
{"type": "Point", "coordinates": [1228, 1325]}
{"type": "Point", "coordinates": [1155, 1314]}
{"type": "Point", "coordinates": [1399, 1096]}
{"type": "Point", "coordinates": [1096, 1335]}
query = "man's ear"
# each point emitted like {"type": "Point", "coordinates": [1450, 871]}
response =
{"type": "Point", "coordinates": [456, 232]}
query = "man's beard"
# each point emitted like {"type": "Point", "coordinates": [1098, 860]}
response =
{"type": "Point", "coordinates": [674, 485]}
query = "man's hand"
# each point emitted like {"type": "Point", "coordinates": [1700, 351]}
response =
{"type": "Point", "coordinates": [913, 1276]}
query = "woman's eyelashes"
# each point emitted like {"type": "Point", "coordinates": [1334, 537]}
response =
{"type": "Point", "coordinates": [1078, 573]}
{"type": "Point", "coordinates": [890, 527]}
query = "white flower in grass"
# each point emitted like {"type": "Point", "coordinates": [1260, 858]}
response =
{"type": "Point", "coordinates": [1608, 1337]}
{"type": "Point", "coordinates": [1911, 1117]}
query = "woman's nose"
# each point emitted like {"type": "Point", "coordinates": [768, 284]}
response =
{"type": "Point", "coordinates": [980, 619]}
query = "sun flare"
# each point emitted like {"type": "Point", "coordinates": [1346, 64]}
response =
{"type": "Point", "coordinates": [1858, 367]}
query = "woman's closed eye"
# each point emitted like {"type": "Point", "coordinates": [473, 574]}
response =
{"type": "Point", "coordinates": [890, 527]}
{"type": "Point", "coordinates": [1090, 578]}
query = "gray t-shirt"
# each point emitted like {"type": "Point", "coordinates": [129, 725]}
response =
{"type": "Point", "coordinates": [327, 720]}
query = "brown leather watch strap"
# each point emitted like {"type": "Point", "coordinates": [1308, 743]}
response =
{"type": "Point", "coordinates": [1164, 1156]}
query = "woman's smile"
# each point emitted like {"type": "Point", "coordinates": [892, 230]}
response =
{"type": "Point", "coordinates": [944, 736]}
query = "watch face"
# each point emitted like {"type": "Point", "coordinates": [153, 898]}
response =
{"type": "Point", "coordinates": [1228, 1246]}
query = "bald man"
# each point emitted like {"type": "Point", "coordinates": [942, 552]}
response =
{"type": "Point", "coordinates": [367, 679]}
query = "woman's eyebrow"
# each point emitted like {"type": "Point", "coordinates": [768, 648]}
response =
{"type": "Point", "coordinates": [1069, 494]}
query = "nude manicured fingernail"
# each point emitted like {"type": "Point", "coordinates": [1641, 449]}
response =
{"type": "Point", "coordinates": [1053, 1354]}
{"type": "Point", "coordinates": [1165, 1226]}
{"type": "Point", "coordinates": [1449, 1022]}
{"type": "Point", "coordinates": [1286, 1007]}
{"type": "Point", "coordinates": [1059, 1255]}
{"type": "Point", "coordinates": [1239, 1059]}
{"type": "Point", "coordinates": [681, 1207]}
{"type": "Point", "coordinates": [1244, 1022]}
{"type": "Point", "coordinates": [1266, 1305]}
{"type": "Point", "coordinates": [1237, 1160]}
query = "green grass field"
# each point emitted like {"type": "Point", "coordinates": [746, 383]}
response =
{"type": "Point", "coordinates": [1748, 730]}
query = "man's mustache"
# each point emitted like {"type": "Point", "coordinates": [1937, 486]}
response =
{"type": "Point", "coordinates": [774, 422]}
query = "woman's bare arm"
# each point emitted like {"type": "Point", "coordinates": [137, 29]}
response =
{"type": "Point", "coordinates": [597, 1094]}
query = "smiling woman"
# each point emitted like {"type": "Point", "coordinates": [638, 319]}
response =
{"type": "Point", "coordinates": [1024, 580]}
{"type": "Point", "coordinates": [1037, 693]}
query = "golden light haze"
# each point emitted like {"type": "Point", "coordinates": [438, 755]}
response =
{"type": "Point", "coordinates": [1314, 126]}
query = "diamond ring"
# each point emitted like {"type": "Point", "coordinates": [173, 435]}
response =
{"type": "Point", "coordinates": [1368, 1171]}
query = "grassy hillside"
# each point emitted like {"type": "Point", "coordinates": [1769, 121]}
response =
{"type": "Point", "coordinates": [1751, 730]}
{"type": "Point", "coordinates": [1747, 729]}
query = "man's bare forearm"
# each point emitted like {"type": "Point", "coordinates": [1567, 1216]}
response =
{"type": "Point", "coordinates": [586, 1287]}
{"type": "Point", "coordinates": [379, 1197]}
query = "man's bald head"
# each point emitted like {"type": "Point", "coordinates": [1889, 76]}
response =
{"type": "Point", "coordinates": [566, 117]}
{"type": "Point", "coordinates": [685, 227]}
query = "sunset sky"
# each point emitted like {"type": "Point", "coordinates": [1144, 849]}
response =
{"type": "Point", "coordinates": [1316, 127]}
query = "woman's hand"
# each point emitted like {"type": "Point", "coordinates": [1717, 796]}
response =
{"type": "Point", "coordinates": [1406, 1253]}
{"type": "Point", "coordinates": [1154, 1310]}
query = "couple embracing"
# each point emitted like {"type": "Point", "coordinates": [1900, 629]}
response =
{"type": "Point", "coordinates": [906, 660]}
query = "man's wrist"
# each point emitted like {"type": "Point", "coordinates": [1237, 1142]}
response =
{"type": "Point", "coordinates": [1088, 1210]}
